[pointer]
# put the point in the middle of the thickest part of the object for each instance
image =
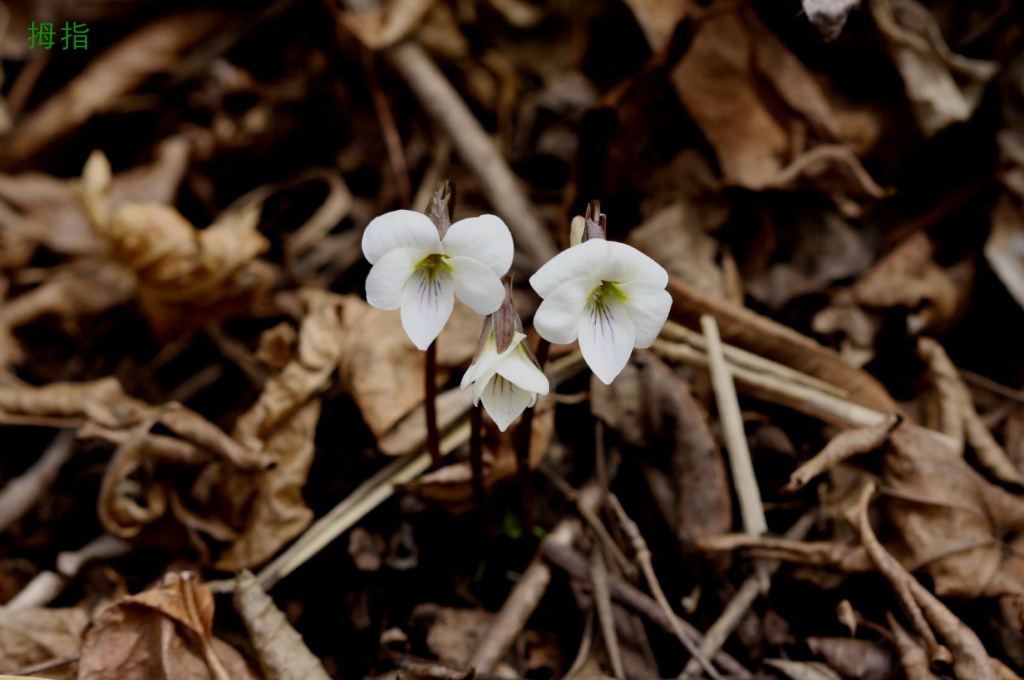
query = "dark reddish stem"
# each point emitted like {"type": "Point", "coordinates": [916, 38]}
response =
{"type": "Point", "coordinates": [524, 432]}
{"type": "Point", "coordinates": [433, 436]}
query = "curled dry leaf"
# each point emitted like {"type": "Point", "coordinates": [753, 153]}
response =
{"type": "Point", "coordinates": [719, 79]}
{"type": "Point", "coordinates": [962, 418]}
{"type": "Point", "coordinates": [102, 401]}
{"type": "Point", "coordinates": [32, 636]}
{"type": "Point", "coordinates": [947, 520]}
{"type": "Point", "coordinates": [82, 288]}
{"type": "Point", "coordinates": [186, 276]}
{"type": "Point", "coordinates": [943, 87]}
{"type": "Point", "coordinates": [913, 656]}
{"type": "Point", "coordinates": [321, 340]}
{"type": "Point", "coordinates": [803, 670]}
{"type": "Point", "coordinates": [160, 634]}
{"type": "Point", "coordinates": [843, 446]}
{"type": "Point", "coordinates": [279, 648]}
{"type": "Point", "coordinates": [970, 660]}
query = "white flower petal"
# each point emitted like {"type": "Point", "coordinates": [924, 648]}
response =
{"type": "Point", "coordinates": [648, 307]}
{"type": "Point", "coordinates": [518, 368]}
{"type": "Point", "coordinates": [505, 402]}
{"type": "Point", "coordinates": [484, 238]}
{"type": "Point", "coordinates": [626, 263]}
{"type": "Point", "coordinates": [476, 284]}
{"type": "Point", "coordinates": [426, 306]}
{"type": "Point", "coordinates": [606, 338]}
{"type": "Point", "coordinates": [579, 262]}
{"type": "Point", "coordinates": [558, 317]}
{"type": "Point", "coordinates": [400, 229]}
{"type": "Point", "coordinates": [386, 280]}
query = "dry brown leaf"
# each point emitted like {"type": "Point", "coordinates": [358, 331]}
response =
{"type": "Point", "coordinates": [909, 278]}
{"type": "Point", "coordinates": [945, 518]}
{"type": "Point", "coordinates": [321, 340]}
{"type": "Point", "coordinates": [1004, 248]}
{"type": "Point", "coordinates": [855, 658]}
{"type": "Point", "coordinates": [803, 670]}
{"type": "Point", "coordinates": [186, 276]}
{"type": "Point", "coordinates": [674, 238]}
{"type": "Point", "coordinates": [141, 637]}
{"type": "Point", "coordinates": [721, 81]}
{"type": "Point", "coordinates": [943, 87]}
{"type": "Point", "coordinates": [154, 48]}
{"type": "Point", "coordinates": [82, 288]}
{"type": "Point", "coordinates": [649, 407]}
{"type": "Point", "coordinates": [452, 634]}
{"type": "Point", "coordinates": [819, 249]}
{"type": "Point", "coordinates": [377, 30]}
{"type": "Point", "coordinates": [658, 19]}
{"type": "Point", "coordinates": [913, 656]}
{"type": "Point", "coordinates": [280, 649]}
{"type": "Point", "coordinates": [102, 401]}
{"type": "Point", "coordinates": [32, 636]}
{"type": "Point", "coordinates": [843, 446]}
{"type": "Point", "coordinates": [383, 370]}
{"type": "Point", "coordinates": [451, 486]}
{"type": "Point", "coordinates": [960, 417]}
{"type": "Point", "coordinates": [276, 513]}
{"type": "Point", "coordinates": [748, 330]}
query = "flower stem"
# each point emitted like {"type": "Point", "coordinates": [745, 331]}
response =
{"type": "Point", "coordinates": [430, 392]}
{"type": "Point", "coordinates": [524, 432]}
{"type": "Point", "coordinates": [476, 465]}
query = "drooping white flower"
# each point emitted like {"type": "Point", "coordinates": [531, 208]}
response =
{"type": "Point", "coordinates": [609, 295]}
{"type": "Point", "coordinates": [505, 375]}
{"type": "Point", "coordinates": [416, 269]}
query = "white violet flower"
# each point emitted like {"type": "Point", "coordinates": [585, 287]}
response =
{"type": "Point", "coordinates": [422, 271]}
{"type": "Point", "coordinates": [609, 295]}
{"type": "Point", "coordinates": [505, 375]}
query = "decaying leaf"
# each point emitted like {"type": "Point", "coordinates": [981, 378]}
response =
{"type": "Point", "coordinates": [1004, 248]}
{"type": "Point", "coordinates": [658, 19]}
{"type": "Point", "coordinates": [649, 407]}
{"type": "Point", "coordinates": [380, 29]}
{"type": "Point", "coordinates": [451, 486]}
{"type": "Point", "coordinates": [721, 80]}
{"type": "Point", "coordinates": [32, 636]}
{"type": "Point", "coordinates": [676, 241]}
{"type": "Point", "coordinates": [947, 520]}
{"type": "Point", "coordinates": [280, 649]}
{"type": "Point", "coordinates": [854, 657]}
{"type": "Point", "coordinates": [186, 277]}
{"type": "Point", "coordinates": [909, 278]}
{"type": "Point", "coordinates": [452, 634]}
{"type": "Point", "coordinates": [383, 370]}
{"type": "Point", "coordinates": [943, 87]}
{"type": "Point", "coordinates": [160, 634]}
